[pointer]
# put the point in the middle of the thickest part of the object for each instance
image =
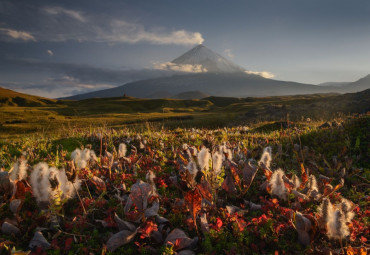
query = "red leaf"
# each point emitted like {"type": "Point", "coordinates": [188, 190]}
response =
{"type": "Point", "coordinates": [205, 190]}
{"type": "Point", "coordinates": [121, 238]}
{"type": "Point", "coordinates": [267, 173]}
{"type": "Point", "coordinates": [99, 183]}
{"type": "Point", "coordinates": [193, 201]}
{"type": "Point", "coordinates": [20, 192]}
{"type": "Point", "coordinates": [363, 239]}
{"type": "Point", "coordinates": [304, 175]}
{"type": "Point", "coordinates": [218, 222]}
{"type": "Point", "coordinates": [68, 243]}
{"type": "Point", "coordinates": [178, 239]}
{"type": "Point", "coordinates": [229, 185]}
{"type": "Point", "coordinates": [234, 171]}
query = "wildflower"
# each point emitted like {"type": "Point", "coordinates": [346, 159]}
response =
{"type": "Point", "coordinates": [326, 211]}
{"type": "Point", "coordinates": [217, 162]}
{"type": "Point", "coordinates": [49, 183]}
{"type": "Point", "coordinates": [346, 207]}
{"type": "Point", "coordinates": [192, 168]}
{"type": "Point", "coordinates": [150, 176]}
{"type": "Point", "coordinates": [296, 181]}
{"type": "Point", "coordinates": [226, 152]}
{"type": "Point", "coordinates": [337, 227]}
{"type": "Point", "coordinates": [122, 150]}
{"type": "Point", "coordinates": [313, 190]}
{"type": "Point", "coordinates": [203, 158]}
{"type": "Point", "coordinates": [266, 158]}
{"type": "Point", "coordinates": [81, 158]}
{"type": "Point", "coordinates": [277, 184]}
{"type": "Point", "coordinates": [19, 170]}
{"type": "Point", "coordinates": [312, 183]}
{"type": "Point", "coordinates": [40, 182]}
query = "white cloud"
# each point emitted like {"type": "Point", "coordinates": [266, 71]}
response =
{"type": "Point", "coordinates": [264, 74]}
{"type": "Point", "coordinates": [229, 53]}
{"type": "Point", "coordinates": [180, 68]}
{"type": "Point", "coordinates": [57, 10]}
{"type": "Point", "coordinates": [16, 35]}
{"type": "Point", "coordinates": [59, 24]}
{"type": "Point", "coordinates": [50, 52]}
{"type": "Point", "coordinates": [122, 31]}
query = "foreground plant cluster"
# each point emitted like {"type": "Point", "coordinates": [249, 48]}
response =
{"type": "Point", "coordinates": [199, 191]}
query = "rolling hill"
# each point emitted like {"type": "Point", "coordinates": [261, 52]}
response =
{"type": "Point", "coordinates": [12, 98]}
{"type": "Point", "coordinates": [47, 115]}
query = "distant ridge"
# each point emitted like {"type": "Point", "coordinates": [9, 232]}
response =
{"type": "Point", "coordinates": [359, 85]}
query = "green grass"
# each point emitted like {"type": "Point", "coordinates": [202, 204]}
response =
{"type": "Point", "coordinates": [31, 114]}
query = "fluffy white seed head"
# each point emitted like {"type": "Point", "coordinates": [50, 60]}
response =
{"type": "Point", "coordinates": [185, 146]}
{"type": "Point", "coordinates": [277, 184]}
{"type": "Point", "coordinates": [19, 170]}
{"type": "Point", "coordinates": [326, 211]}
{"type": "Point", "coordinates": [192, 168]}
{"type": "Point", "coordinates": [82, 157]}
{"type": "Point", "coordinates": [346, 207]}
{"type": "Point", "coordinates": [122, 150]}
{"type": "Point", "coordinates": [296, 181]}
{"type": "Point", "coordinates": [42, 188]}
{"type": "Point", "coordinates": [76, 155]}
{"type": "Point", "coordinates": [203, 158]}
{"type": "Point", "coordinates": [150, 176]}
{"type": "Point", "coordinates": [266, 158]}
{"type": "Point", "coordinates": [312, 183]}
{"type": "Point", "coordinates": [40, 182]}
{"type": "Point", "coordinates": [217, 162]}
{"type": "Point", "coordinates": [337, 227]}
{"type": "Point", "coordinates": [226, 152]}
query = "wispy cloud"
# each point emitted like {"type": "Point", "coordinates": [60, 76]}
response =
{"type": "Point", "coordinates": [264, 74]}
{"type": "Point", "coordinates": [59, 24]}
{"type": "Point", "coordinates": [187, 68]}
{"type": "Point", "coordinates": [122, 31]}
{"type": "Point", "coordinates": [228, 52]}
{"type": "Point", "coordinates": [58, 10]}
{"type": "Point", "coordinates": [11, 34]}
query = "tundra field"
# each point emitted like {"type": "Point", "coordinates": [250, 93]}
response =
{"type": "Point", "coordinates": [212, 176]}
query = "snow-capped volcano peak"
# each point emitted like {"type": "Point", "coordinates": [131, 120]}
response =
{"type": "Point", "coordinates": [209, 61]}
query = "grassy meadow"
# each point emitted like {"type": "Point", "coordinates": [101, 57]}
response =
{"type": "Point", "coordinates": [166, 176]}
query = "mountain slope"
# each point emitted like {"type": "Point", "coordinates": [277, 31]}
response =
{"type": "Point", "coordinates": [334, 84]}
{"type": "Point", "coordinates": [226, 84]}
{"type": "Point", "coordinates": [359, 85]}
{"type": "Point", "coordinates": [12, 98]}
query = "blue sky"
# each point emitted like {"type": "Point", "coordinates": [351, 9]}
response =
{"type": "Point", "coordinates": [59, 48]}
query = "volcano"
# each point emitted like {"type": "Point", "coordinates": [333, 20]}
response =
{"type": "Point", "coordinates": [214, 75]}
{"type": "Point", "coordinates": [209, 60]}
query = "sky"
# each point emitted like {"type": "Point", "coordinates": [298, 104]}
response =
{"type": "Point", "coordinates": [59, 48]}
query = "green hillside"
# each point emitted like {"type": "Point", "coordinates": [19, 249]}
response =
{"type": "Point", "coordinates": [25, 114]}
{"type": "Point", "coordinates": [11, 98]}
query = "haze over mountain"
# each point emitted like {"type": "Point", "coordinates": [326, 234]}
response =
{"type": "Point", "coordinates": [207, 61]}
{"type": "Point", "coordinates": [209, 73]}
{"type": "Point", "coordinates": [334, 84]}
{"type": "Point", "coordinates": [359, 85]}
